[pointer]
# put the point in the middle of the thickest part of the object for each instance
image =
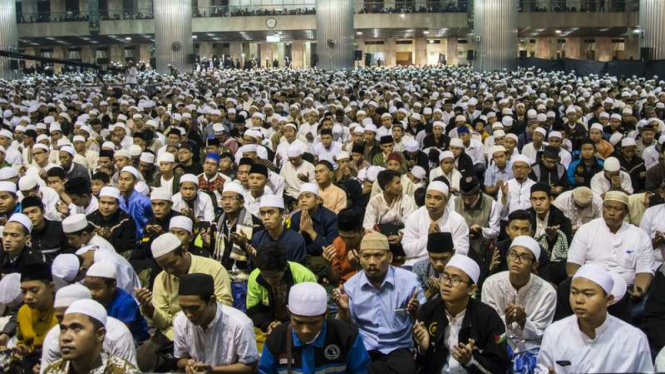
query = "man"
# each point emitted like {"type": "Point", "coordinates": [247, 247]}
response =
{"type": "Point", "coordinates": [456, 333]}
{"type": "Point", "coordinates": [654, 225]}
{"type": "Point", "coordinates": [295, 170]}
{"type": "Point", "coordinates": [191, 202]}
{"type": "Point", "coordinates": [81, 233]}
{"type": "Point", "coordinates": [118, 340]}
{"type": "Point", "coordinates": [435, 216]}
{"type": "Point", "coordinates": [46, 236]}
{"type": "Point", "coordinates": [112, 223]}
{"type": "Point", "coordinates": [498, 171]}
{"type": "Point", "coordinates": [50, 199]}
{"type": "Point", "coordinates": [211, 180]}
{"type": "Point", "coordinates": [611, 179]}
{"type": "Point", "coordinates": [70, 167]}
{"type": "Point", "coordinates": [182, 227]}
{"type": "Point", "coordinates": [269, 284]}
{"type": "Point", "coordinates": [632, 164]}
{"type": "Point", "coordinates": [100, 279]}
{"type": "Point", "coordinates": [388, 211]}
{"type": "Point", "coordinates": [160, 305]}
{"type": "Point", "coordinates": [592, 341]}
{"type": "Point", "coordinates": [550, 171]}
{"type": "Point", "coordinates": [448, 170]}
{"type": "Point", "coordinates": [79, 191]}
{"type": "Point", "coordinates": [257, 182]}
{"type": "Point", "coordinates": [343, 253]}
{"type": "Point", "coordinates": [615, 244]}
{"type": "Point", "coordinates": [132, 202]}
{"type": "Point", "coordinates": [15, 251]}
{"type": "Point", "coordinates": [580, 205]}
{"type": "Point", "coordinates": [82, 334]}
{"type": "Point", "coordinates": [186, 158]}
{"type": "Point", "coordinates": [514, 193]}
{"type": "Point", "coordinates": [333, 197]}
{"type": "Point", "coordinates": [147, 168]}
{"type": "Point", "coordinates": [440, 248]}
{"type": "Point", "coordinates": [325, 342]}
{"type": "Point", "coordinates": [386, 331]}
{"type": "Point", "coordinates": [168, 179]}
{"type": "Point", "coordinates": [524, 301]}
{"type": "Point", "coordinates": [37, 170]}
{"type": "Point", "coordinates": [581, 171]}
{"type": "Point", "coordinates": [209, 336]}
{"type": "Point", "coordinates": [8, 201]}
{"type": "Point", "coordinates": [272, 216]}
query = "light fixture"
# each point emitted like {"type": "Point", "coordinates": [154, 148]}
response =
{"type": "Point", "coordinates": [426, 32]}
{"type": "Point", "coordinates": [359, 33]}
{"type": "Point", "coordinates": [402, 15]}
{"type": "Point", "coordinates": [128, 38]}
{"type": "Point", "coordinates": [558, 31]}
{"type": "Point", "coordinates": [194, 36]}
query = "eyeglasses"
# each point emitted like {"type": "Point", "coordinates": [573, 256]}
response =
{"type": "Point", "coordinates": [454, 281]}
{"type": "Point", "coordinates": [523, 258]}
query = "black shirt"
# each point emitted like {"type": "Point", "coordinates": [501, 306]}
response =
{"type": "Point", "coordinates": [119, 229]}
{"type": "Point", "coordinates": [50, 240]}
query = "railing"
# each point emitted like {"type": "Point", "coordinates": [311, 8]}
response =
{"type": "Point", "coordinates": [361, 7]}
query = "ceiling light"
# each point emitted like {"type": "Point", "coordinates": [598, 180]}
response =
{"type": "Point", "coordinates": [194, 36]}
{"type": "Point", "coordinates": [558, 31]}
{"type": "Point", "coordinates": [359, 33]}
{"type": "Point", "coordinates": [128, 38]}
{"type": "Point", "coordinates": [426, 32]}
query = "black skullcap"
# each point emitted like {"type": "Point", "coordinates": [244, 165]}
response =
{"type": "Point", "coordinates": [36, 272]}
{"type": "Point", "coordinates": [551, 151]}
{"type": "Point", "coordinates": [358, 148]}
{"type": "Point", "coordinates": [588, 141]}
{"type": "Point", "coordinates": [213, 142]}
{"type": "Point", "coordinates": [259, 169]}
{"type": "Point", "coordinates": [469, 186]}
{"type": "Point", "coordinates": [56, 171]}
{"type": "Point", "coordinates": [440, 242]}
{"type": "Point", "coordinates": [139, 134]}
{"type": "Point", "coordinates": [387, 139]}
{"type": "Point", "coordinates": [31, 201]}
{"type": "Point", "coordinates": [196, 284]}
{"type": "Point", "coordinates": [326, 132]}
{"type": "Point", "coordinates": [78, 186]}
{"type": "Point", "coordinates": [542, 186]}
{"type": "Point", "coordinates": [187, 146]}
{"type": "Point", "coordinates": [106, 153]}
{"type": "Point", "coordinates": [349, 219]}
{"type": "Point", "coordinates": [227, 155]}
{"type": "Point", "coordinates": [246, 161]}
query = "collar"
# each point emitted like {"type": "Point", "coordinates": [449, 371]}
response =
{"type": "Point", "coordinates": [218, 317]}
{"type": "Point", "coordinates": [317, 342]}
{"type": "Point", "coordinates": [600, 330]}
{"type": "Point", "coordinates": [389, 279]}
{"type": "Point", "coordinates": [211, 179]}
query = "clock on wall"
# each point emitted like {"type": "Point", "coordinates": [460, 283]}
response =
{"type": "Point", "coordinates": [271, 23]}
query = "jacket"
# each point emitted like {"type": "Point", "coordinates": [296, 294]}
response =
{"type": "Point", "coordinates": [556, 218]}
{"type": "Point", "coordinates": [119, 229]}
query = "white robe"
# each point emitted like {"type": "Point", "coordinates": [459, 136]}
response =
{"type": "Point", "coordinates": [417, 228]}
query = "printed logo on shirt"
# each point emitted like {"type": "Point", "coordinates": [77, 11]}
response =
{"type": "Point", "coordinates": [332, 352]}
{"type": "Point", "coordinates": [433, 327]}
{"type": "Point", "coordinates": [284, 360]}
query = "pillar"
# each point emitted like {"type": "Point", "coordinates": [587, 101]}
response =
{"type": "Point", "coordinates": [59, 53]}
{"type": "Point", "coordinates": [574, 48]}
{"type": "Point", "coordinates": [117, 53]}
{"type": "Point", "coordinates": [298, 53]}
{"type": "Point", "coordinates": [451, 51]}
{"type": "Point", "coordinates": [88, 54]}
{"type": "Point", "coordinates": [421, 52]}
{"type": "Point", "coordinates": [335, 34]}
{"type": "Point", "coordinates": [390, 54]}
{"type": "Point", "coordinates": [8, 36]}
{"type": "Point", "coordinates": [173, 34]}
{"type": "Point", "coordinates": [652, 18]}
{"type": "Point", "coordinates": [144, 52]}
{"type": "Point", "coordinates": [604, 49]}
{"type": "Point", "coordinates": [206, 50]}
{"type": "Point", "coordinates": [495, 34]}
{"type": "Point", "coordinates": [546, 48]}
{"type": "Point", "coordinates": [235, 51]}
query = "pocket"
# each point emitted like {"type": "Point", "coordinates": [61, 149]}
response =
{"type": "Point", "coordinates": [629, 259]}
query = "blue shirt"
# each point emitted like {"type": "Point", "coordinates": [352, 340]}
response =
{"type": "Point", "coordinates": [296, 250]}
{"type": "Point", "coordinates": [139, 207]}
{"type": "Point", "coordinates": [124, 308]}
{"type": "Point", "coordinates": [358, 360]}
{"type": "Point", "coordinates": [493, 173]}
{"type": "Point", "coordinates": [374, 310]}
{"type": "Point", "coordinates": [324, 221]}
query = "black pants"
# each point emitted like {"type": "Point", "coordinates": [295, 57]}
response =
{"type": "Point", "coordinates": [399, 361]}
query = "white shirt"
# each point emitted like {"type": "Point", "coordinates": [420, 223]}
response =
{"type": "Point", "coordinates": [13, 156]}
{"type": "Point", "coordinates": [327, 154]}
{"type": "Point", "coordinates": [453, 177]}
{"type": "Point", "coordinates": [627, 252]}
{"type": "Point", "coordinates": [229, 338]}
{"type": "Point", "coordinates": [600, 184]}
{"type": "Point", "coordinates": [50, 200]}
{"type": "Point", "coordinates": [617, 348]}
{"type": "Point", "coordinates": [538, 298]}
{"type": "Point", "coordinates": [167, 184]}
{"type": "Point", "coordinates": [417, 228]}
{"type": "Point", "coordinates": [519, 197]}
{"type": "Point", "coordinates": [283, 147]}
{"type": "Point", "coordinates": [450, 340]}
{"type": "Point", "coordinates": [203, 207]}
{"type": "Point", "coordinates": [475, 151]}
{"type": "Point", "coordinates": [379, 211]}
{"type": "Point", "coordinates": [33, 171]}
{"type": "Point", "coordinates": [654, 220]}
{"type": "Point", "coordinates": [276, 183]}
{"type": "Point", "coordinates": [75, 209]}
{"type": "Point", "coordinates": [566, 203]}
{"type": "Point", "coordinates": [650, 156]}
{"type": "Point", "coordinates": [117, 342]}
{"type": "Point", "coordinates": [531, 152]}
{"type": "Point", "coordinates": [126, 277]}
{"type": "Point", "coordinates": [101, 243]}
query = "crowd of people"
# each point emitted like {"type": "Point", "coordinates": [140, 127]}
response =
{"type": "Point", "coordinates": [384, 220]}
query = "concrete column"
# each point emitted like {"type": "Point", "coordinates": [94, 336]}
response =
{"type": "Point", "coordinates": [173, 34]}
{"type": "Point", "coordinates": [116, 53]}
{"type": "Point", "coordinates": [59, 53]}
{"type": "Point", "coordinates": [451, 52]}
{"type": "Point", "coordinates": [88, 54]}
{"type": "Point", "coordinates": [308, 54]}
{"type": "Point", "coordinates": [8, 36]}
{"type": "Point", "coordinates": [281, 51]}
{"type": "Point", "coordinates": [495, 31]}
{"type": "Point", "coordinates": [206, 50]}
{"type": "Point", "coordinates": [144, 52]}
{"type": "Point", "coordinates": [335, 34]}
{"type": "Point", "coordinates": [604, 49]}
{"type": "Point", "coordinates": [574, 48]}
{"type": "Point", "coordinates": [632, 48]}
{"type": "Point", "coordinates": [235, 51]}
{"type": "Point", "coordinates": [253, 51]}
{"type": "Point", "coordinates": [57, 8]}
{"type": "Point", "coordinates": [390, 53]}
{"type": "Point", "coordinates": [31, 51]}
{"type": "Point", "coordinates": [265, 52]}
{"type": "Point", "coordinates": [298, 53]}
{"type": "Point", "coordinates": [421, 52]}
{"type": "Point", "coordinates": [652, 19]}
{"type": "Point", "coordinates": [546, 48]}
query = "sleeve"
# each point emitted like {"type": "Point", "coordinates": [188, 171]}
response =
{"type": "Point", "coordinates": [643, 363]}
{"type": "Point", "coordinates": [223, 286]}
{"type": "Point", "coordinates": [645, 256]}
{"type": "Point", "coordinates": [646, 225]}
{"type": "Point", "coordinates": [124, 347]}
{"type": "Point", "coordinates": [494, 356]}
{"type": "Point", "coordinates": [341, 202]}
{"type": "Point", "coordinates": [267, 363]}
{"type": "Point", "coordinates": [162, 318]}
{"type": "Point", "coordinates": [245, 344]}
{"type": "Point", "coordinates": [179, 338]}
{"type": "Point", "coordinates": [536, 323]}
{"type": "Point", "coordinates": [571, 173]}
{"type": "Point", "coordinates": [492, 232]}
{"type": "Point", "coordinates": [545, 359]}
{"type": "Point", "coordinates": [340, 264]}
{"type": "Point", "coordinates": [595, 186]}
{"type": "Point", "coordinates": [316, 247]}
{"type": "Point", "coordinates": [50, 350]}
{"type": "Point", "coordinates": [371, 216]}
{"type": "Point", "coordinates": [259, 314]}
{"type": "Point", "coordinates": [208, 210]}
{"type": "Point", "coordinates": [489, 177]}
{"type": "Point", "coordinates": [298, 251]}
{"type": "Point", "coordinates": [578, 248]}
{"type": "Point", "coordinates": [409, 206]}
{"type": "Point", "coordinates": [460, 234]}
{"type": "Point", "coordinates": [358, 361]}
{"type": "Point", "coordinates": [414, 244]}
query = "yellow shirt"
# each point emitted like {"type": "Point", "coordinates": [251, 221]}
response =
{"type": "Point", "coordinates": [165, 292]}
{"type": "Point", "coordinates": [334, 198]}
{"type": "Point", "coordinates": [33, 326]}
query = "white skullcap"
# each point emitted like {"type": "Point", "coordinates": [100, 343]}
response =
{"type": "Point", "coordinates": [456, 142]}
{"type": "Point", "coordinates": [616, 116]}
{"type": "Point", "coordinates": [542, 131]}
{"type": "Point", "coordinates": [521, 158]}
{"type": "Point", "coordinates": [438, 186]}
{"type": "Point", "coordinates": [418, 172]}
{"type": "Point", "coordinates": [102, 269]}
{"type": "Point", "coordinates": [22, 219]}
{"type": "Point", "coordinates": [111, 192]}
{"type": "Point", "coordinates": [439, 124]}
{"type": "Point", "coordinates": [8, 186]}
{"type": "Point", "coordinates": [8, 173]}
{"type": "Point", "coordinates": [555, 134]}
{"type": "Point", "coordinates": [612, 164]}
{"type": "Point", "coordinates": [66, 267]}
{"type": "Point", "coordinates": [78, 138]}
{"type": "Point", "coordinates": [164, 244]}
{"type": "Point", "coordinates": [412, 146]}
{"type": "Point", "coordinates": [619, 288]}
{"type": "Point", "coordinates": [507, 121]}
{"type": "Point", "coordinates": [10, 290]}
{"type": "Point", "coordinates": [597, 275]}
{"type": "Point", "coordinates": [309, 187]}
{"type": "Point", "coordinates": [40, 146]}
{"type": "Point", "coordinates": [67, 295]}
{"type": "Point", "coordinates": [135, 150]}
{"type": "Point", "coordinates": [108, 145]}
{"type": "Point", "coordinates": [294, 150]}
{"type": "Point", "coordinates": [131, 170]}
{"type": "Point", "coordinates": [616, 138]}
{"type": "Point", "coordinates": [308, 299]}
{"type": "Point", "coordinates": [181, 222]}
{"type": "Point", "coordinates": [498, 148]}
{"type": "Point", "coordinates": [528, 243]}
{"type": "Point", "coordinates": [148, 158]}
{"type": "Point", "coordinates": [343, 155]}
{"type": "Point", "coordinates": [373, 172]}
{"type": "Point", "coordinates": [161, 194]}
{"type": "Point", "coordinates": [68, 149]}
{"type": "Point", "coordinates": [189, 178]}
{"type": "Point", "coordinates": [628, 142]}
{"type": "Point", "coordinates": [74, 223]}
{"type": "Point", "coordinates": [499, 134]}
{"type": "Point", "coordinates": [234, 187]}
{"type": "Point", "coordinates": [27, 183]}
{"type": "Point", "coordinates": [272, 201]}
{"type": "Point", "coordinates": [248, 148]}
{"type": "Point", "coordinates": [370, 127]}
{"type": "Point", "coordinates": [597, 126]}
{"type": "Point", "coordinates": [446, 154]}
{"type": "Point", "coordinates": [90, 308]}
{"type": "Point", "coordinates": [467, 265]}
{"type": "Point", "coordinates": [460, 118]}
{"type": "Point", "coordinates": [6, 133]}
{"type": "Point", "coordinates": [166, 157]}
{"type": "Point", "coordinates": [123, 153]}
